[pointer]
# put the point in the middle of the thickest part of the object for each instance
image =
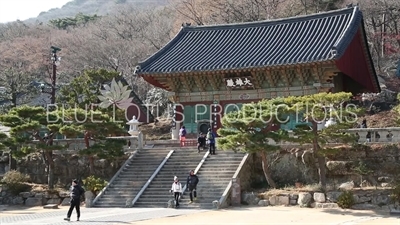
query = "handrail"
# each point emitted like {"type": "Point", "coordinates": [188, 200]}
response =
{"type": "Point", "coordinates": [224, 196]}
{"type": "Point", "coordinates": [114, 177]}
{"type": "Point", "coordinates": [198, 168]}
{"type": "Point", "coordinates": [152, 177]}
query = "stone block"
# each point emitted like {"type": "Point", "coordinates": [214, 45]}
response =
{"type": "Point", "coordinates": [39, 195]}
{"type": "Point", "coordinates": [283, 200]}
{"type": "Point", "coordinates": [63, 194]}
{"type": "Point", "coordinates": [53, 201]}
{"type": "Point", "coordinates": [263, 202]}
{"type": "Point", "coordinates": [380, 200]}
{"type": "Point", "coordinates": [273, 200]}
{"type": "Point", "coordinates": [305, 199]}
{"type": "Point", "coordinates": [128, 203]}
{"type": "Point", "coordinates": [18, 201]}
{"type": "Point", "coordinates": [364, 206]}
{"type": "Point", "coordinates": [215, 204]}
{"type": "Point", "coordinates": [34, 201]}
{"type": "Point", "coordinates": [333, 196]}
{"type": "Point", "coordinates": [293, 196]}
{"type": "Point", "coordinates": [293, 202]}
{"type": "Point", "coordinates": [26, 194]}
{"type": "Point", "coordinates": [319, 197]}
{"type": "Point", "coordinates": [50, 206]}
{"type": "Point", "coordinates": [66, 201]}
{"type": "Point", "coordinates": [362, 199]}
{"type": "Point", "coordinates": [326, 205]}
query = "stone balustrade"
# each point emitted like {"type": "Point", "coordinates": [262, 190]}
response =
{"type": "Point", "coordinates": [377, 135]}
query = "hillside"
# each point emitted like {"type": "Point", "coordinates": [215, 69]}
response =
{"type": "Point", "coordinates": [90, 7]}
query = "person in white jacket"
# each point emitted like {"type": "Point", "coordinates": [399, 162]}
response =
{"type": "Point", "coordinates": [177, 190]}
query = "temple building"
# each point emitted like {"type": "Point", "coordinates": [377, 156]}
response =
{"type": "Point", "coordinates": [222, 65]}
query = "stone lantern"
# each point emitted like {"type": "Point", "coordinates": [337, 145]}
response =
{"type": "Point", "coordinates": [133, 126]}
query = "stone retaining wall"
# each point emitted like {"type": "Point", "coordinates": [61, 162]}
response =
{"type": "Point", "coordinates": [34, 198]}
{"type": "Point", "coordinates": [364, 199]}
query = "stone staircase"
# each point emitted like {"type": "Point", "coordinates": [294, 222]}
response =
{"type": "Point", "coordinates": [214, 177]}
{"type": "Point", "coordinates": [179, 164]}
{"type": "Point", "coordinates": [132, 178]}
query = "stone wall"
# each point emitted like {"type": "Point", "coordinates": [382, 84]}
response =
{"type": "Point", "coordinates": [364, 199]}
{"type": "Point", "coordinates": [382, 161]}
{"type": "Point", "coordinates": [67, 167]}
{"type": "Point", "coordinates": [34, 198]}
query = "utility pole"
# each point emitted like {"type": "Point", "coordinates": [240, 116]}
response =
{"type": "Point", "coordinates": [55, 61]}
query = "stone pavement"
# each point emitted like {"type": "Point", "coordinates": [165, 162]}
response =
{"type": "Point", "coordinates": [278, 216]}
{"type": "Point", "coordinates": [233, 216]}
{"type": "Point", "coordinates": [92, 216]}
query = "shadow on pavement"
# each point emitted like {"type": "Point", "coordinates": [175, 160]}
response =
{"type": "Point", "coordinates": [361, 213]}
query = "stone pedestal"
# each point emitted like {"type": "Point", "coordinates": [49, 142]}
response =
{"type": "Point", "coordinates": [236, 192]}
{"type": "Point", "coordinates": [89, 196]}
{"type": "Point", "coordinates": [175, 131]}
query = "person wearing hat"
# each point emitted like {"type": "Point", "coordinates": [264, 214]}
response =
{"type": "Point", "coordinates": [211, 141]}
{"type": "Point", "coordinates": [76, 193]}
{"type": "Point", "coordinates": [177, 190]}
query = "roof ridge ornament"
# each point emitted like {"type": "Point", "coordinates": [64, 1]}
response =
{"type": "Point", "coordinates": [186, 24]}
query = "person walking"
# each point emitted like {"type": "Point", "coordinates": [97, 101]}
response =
{"type": "Point", "coordinates": [76, 191]}
{"type": "Point", "coordinates": [191, 184]}
{"type": "Point", "coordinates": [211, 141]}
{"type": "Point", "coordinates": [182, 136]}
{"type": "Point", "coordinates": [177, 190]}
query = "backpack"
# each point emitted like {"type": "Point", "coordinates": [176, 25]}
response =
{"type": "Point", "coordinates": [182, 132]}
{"type": "Point", "coordinates": [210, 136]}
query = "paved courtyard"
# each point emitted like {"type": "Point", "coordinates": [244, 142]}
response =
{"type": "Point", "coordinates": [234, 216]}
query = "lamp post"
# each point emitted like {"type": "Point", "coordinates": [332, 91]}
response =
{"type": "Point", "coordinates": [55, 61]}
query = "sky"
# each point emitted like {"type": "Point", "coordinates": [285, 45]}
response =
{"type": "Point", "coordinates": [12, 10]}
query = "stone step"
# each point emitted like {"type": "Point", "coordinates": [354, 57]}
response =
{"type": "Point", "coordinates": [106, 197]}
{"type": "Point", "coordinates": [205, 175]}
{"type": "Point", "coordinates": [141, 176]}
{"type": "Point", "coordinates": [108, 201]}
{"type": "Point", "coordinates": [121, 190]}
{"type": "Point", "coordinates": [212, 171]}
{"type": "Point", "coordinates": [110, 204]}
{"type": "Point", "coordinates": [132, 183]}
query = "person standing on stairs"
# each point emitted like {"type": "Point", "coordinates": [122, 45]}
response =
{"type": "Point", "coordinates": [211, 141]}
{"type": "Point", "coordinates": [177, 190]}
{"type": "Point", "coordinates": [191, 184]}
{"type": "Point", "coordinates": [182, 136]}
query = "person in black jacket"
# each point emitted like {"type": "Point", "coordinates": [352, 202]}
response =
{"type": "Point", "coordinates": [191, 184]}
{"type": "Point", "coordinates": [201, 142]}
{"type": "Point", "coordinates": [76, 193]}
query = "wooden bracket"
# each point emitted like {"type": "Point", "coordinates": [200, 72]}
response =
{"type": "Point", "coordinates": [270, 77]}
{"type": "Point", "coordinates": [300, 75]}
{"type": "Point", "coordinates": [256, 79]}
{"type": "Point", "coordinates": [213, 83]}
{"type": "Point", "coordinates": [186, 83]}
{"type": "Point", "coordinates": [285, 76]}
{"type": "Point", "coordinates": [199, 81]}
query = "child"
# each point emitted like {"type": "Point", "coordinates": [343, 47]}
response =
{"type": "Point", "coordinates": [177, 190]}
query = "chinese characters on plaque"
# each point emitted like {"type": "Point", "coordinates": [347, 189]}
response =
{"type": "Point", "coordinates": [238, 82]}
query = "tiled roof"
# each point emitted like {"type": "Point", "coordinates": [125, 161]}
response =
{"type": "Point", "coordinates": [303, 39]}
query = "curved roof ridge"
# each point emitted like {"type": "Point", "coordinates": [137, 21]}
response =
{"type": "Point", "coordinates": [273, 21]}
{"type": "Point", "coordinates": [348, 34]}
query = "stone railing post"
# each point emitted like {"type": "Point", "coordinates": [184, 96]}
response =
{"type": "Point", "coordinates": [89, 196]}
